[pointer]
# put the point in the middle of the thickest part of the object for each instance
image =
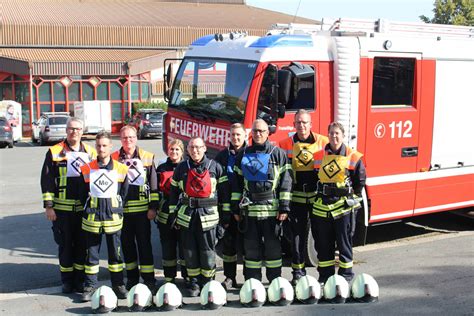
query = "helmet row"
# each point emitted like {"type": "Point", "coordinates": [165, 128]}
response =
{"type": "Point", "coordinates": [252, 294]}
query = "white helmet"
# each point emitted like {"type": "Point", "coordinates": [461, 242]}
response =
{"type": "Point", "coordinates": [168, 297]}
{"type": "Point", "coordinates": [308, 290]}
{"type": "Point", "coordinates": [213, 295]}
{"type": "Point", "coordinates": [365, 289]}
{"type": "Point", "coordinates": [103, 300]}
{"type": "Point", "coordinates": [280, 292]}
{"type": "Point", "coordinates": [139, 298]}
{"type": "Point", "coordinates": [336, 289]}
{"type": "Point", "coordinates": [252, 293]}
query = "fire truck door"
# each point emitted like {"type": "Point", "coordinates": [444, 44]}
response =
{"type": "Point", "coordinates": [392, 135]}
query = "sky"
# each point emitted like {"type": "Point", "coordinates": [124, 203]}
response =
{"type": "Point", "coordinates": [400, 10]}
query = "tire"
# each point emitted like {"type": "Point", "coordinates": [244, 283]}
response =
{"type": "Point", "coordinates": [41, 140]}
{"type": "Point", "coordinates": [140, 134]}
{"type": "Point", "coordinates": [10, 145]}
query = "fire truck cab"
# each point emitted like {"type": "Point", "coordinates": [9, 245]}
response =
{"type": "Point", "coordinates": [403, 91]}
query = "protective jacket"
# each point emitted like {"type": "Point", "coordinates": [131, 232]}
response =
{"type": "Point", "coordinates": [143, 184]}
{"type": "Point", "coordinates": [104, 194]}
{"type": "Point", "coordinates": [199, 187]}
{"type": "Point", "coordinates": [60, 176]}
{"type": "Point", "coordinates": [164, 173]}
{"type": "Point", "coordinates": [341, 174]}
{"type": "Point", "coordinates": [262, 175]}
{"type": "Point", "coordinates": [300, 154]}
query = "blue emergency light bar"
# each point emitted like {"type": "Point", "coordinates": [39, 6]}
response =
{"type": "Point", "coordinates": [283, 40]}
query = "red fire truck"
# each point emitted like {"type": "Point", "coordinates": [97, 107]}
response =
{"type": "Point", "coordinates": [403, 91]}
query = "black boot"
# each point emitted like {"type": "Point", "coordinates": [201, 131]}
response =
{"type": "Point", "coordinates": [120, 291]}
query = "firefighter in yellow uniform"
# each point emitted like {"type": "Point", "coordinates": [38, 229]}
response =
{"type": "Point", "coordinates": [104, 194]}
{"type": "Point", "coordinates": [60, 177]}
{"type": "Point", "coordinates": [142, 202]}
{"type": "Point", "coordinates": [341, 174]}
{"type": "Point", "coordinates": [300, 149]}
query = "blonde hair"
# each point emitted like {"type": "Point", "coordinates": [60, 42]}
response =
{"type": "Point", "coordinates": [177, 142]}
{"type": "Point", "coordinates": [129, 127]}
{"type": "Point", "coordinates": [236, 126]}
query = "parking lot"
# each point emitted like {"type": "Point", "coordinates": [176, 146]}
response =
{"type": "Point", "coordinates": [423, 266]}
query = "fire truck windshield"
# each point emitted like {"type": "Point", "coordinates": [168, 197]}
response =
{"type": "Point", "coordinates": [213, 89]}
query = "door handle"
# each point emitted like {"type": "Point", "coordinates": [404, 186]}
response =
{"type": "Point", "coordinates": [410, 152]}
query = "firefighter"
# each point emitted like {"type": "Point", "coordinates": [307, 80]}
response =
{"type": "Point", "coordinates": [300, 149]}
{"type": "Point", "coordinates": [169, 236]}
{"type": "Point", "coordinates": [231, 235]}
{"type": "Point", "coordinates": [341, 174]}
{"type": "Point", "coordinates": [104, 191]}
{"type": "Point", "coordinates": [142, 202]}
{"type": "Point", "coordinates": [198, 194]}
{"type": "Point", "coordinates": [59, 178]}
{"type": "Point", "coordinates": [261, 194]}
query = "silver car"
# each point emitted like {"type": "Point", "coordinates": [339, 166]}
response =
{"type": "Point", "coordinates": [50, 127]}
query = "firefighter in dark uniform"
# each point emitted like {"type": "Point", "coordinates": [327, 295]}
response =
{"type": "Point", "coordinates": [169, 236]}
{"type": "Point", "coordinates": [142, 202]}
{"type": "Point", "coordinates": [198, 194]}
{"type": "Point", "coordinates": [261, 194]}
{"type": "Point", "coordinates": [59, 178]}
{"type": "Point", "coordinates": [341, 174]}
{"type": "Point", "coordinates": [300, 149]}
{"type": "Point", "coordinates": [105, 186]}
{"type": "Point", "coordinates": [226, 158]}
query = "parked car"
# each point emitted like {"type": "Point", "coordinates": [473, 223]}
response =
{"type": "Point", "coordinates": [6, 133]}
{"type": "Point", "coordinates": [148, 122]}
{"type": "Point", "coordinates": [50, 127]}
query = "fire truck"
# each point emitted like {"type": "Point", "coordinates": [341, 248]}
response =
{"type": "Point", "coordinates": [404, 93]}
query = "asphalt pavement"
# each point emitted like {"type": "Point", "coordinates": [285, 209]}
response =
{"type": "Point", "coordinates": [424, 267]}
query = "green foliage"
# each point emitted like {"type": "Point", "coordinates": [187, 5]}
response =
{"type": "Point", "coordinates": [149, 105]}
{"type": "Point", "coordinates": [457, 12]}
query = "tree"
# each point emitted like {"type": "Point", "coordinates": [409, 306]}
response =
{"type": "Point", "coordinates": [458, 12]}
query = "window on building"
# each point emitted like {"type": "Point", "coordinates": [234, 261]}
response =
{"type": "Point", "coordinates": [59, 107]}
{"type": "Point", "coordinates": [116, 111]}
{"type": "Point", "coordinates": [87, 92]}
{"type": "Point", "coordinates": [45, 108]}
{"type": "Point", "coordinates": [393, 81]}
{"type": "Point", "coordinates": [103, 91]}
{"type": "Point", "coordinates": [22, 92]}
{"type": "Point", "coordinates": [45, 92]}
{"type": "Point", "coordinates": [59, 92]}
{"type": "Point", "coordinates": [74, 91]}
{"type": "Point", "coordinates": [115, 91]}
{"type": "Point", "coordinates": [135, 91]}
{"type": "Point", "coordinates": [145, 91]}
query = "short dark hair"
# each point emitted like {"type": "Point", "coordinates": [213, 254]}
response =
{"type": "Point", "coordinates": [103, 134]}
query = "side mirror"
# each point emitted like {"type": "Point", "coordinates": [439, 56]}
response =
{"type": "Point", "coordinates": [168, 74]}
{"type": "Point", "coordinates": [281, 110]}
{"type": "Point", "coordinates": [284, 86]}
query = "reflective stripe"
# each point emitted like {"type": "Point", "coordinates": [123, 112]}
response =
{"type": "Point", "coordinates": [346, 265]}
{"type": "Point", "coordinates": [78, 266]}
{"type": "Point", "coordinates": [67, 205]}
{"type": "Point", "coordinates": [131, 265]}
{"type": "Point", "coordinates": [222, 179]}
{"type": "Point", "coordinates": [208, 221]}
{"type": "Point", "coordinates": [163, 217]}
{"type": "Point", "coordinates": [325, 264]}
{"type": "Point", "coordinates": [62, 182]}
{"type": "Point", "coordinates": [297, 265]}
{"type": "Point", "coordinates": [183, 219]}
{"type": "Point", "coordinates": [134, 206]}
{"type": "Point", "coordinates": [208, 273]}
{"type": "Point", "coordinates": [147, 268]}
{"type": "Point", "coordinates": [236, 196]}
{"type": "Point", "coordinates": [237, 170]}
{"type": "Point", "coordinates": [226, 207]}
{"type": "Point", "coordinates": [174, 182]}
{"type": "Point", "coordinates": [253, 264]}
{"type": "Point", "coordinates": [169, 263]}
{"type": "Point", "coordinates": [273, 263]}
{"type": "Point", "coordinates": [193, 272]}
{"type": "Point", "coordinates": [182, 262]}
{"type": "Point", "coordinates": [226, 258]}
{"type": "Point", "coordinates": [109, 227]}
{"type": "Point", "coordinates": [285, 196]}
{"type": "Point", "coordinates": [154, 197]}
{"type": "Point", "coordinates": [66, 269]}
{"type": "Point", "coordinates": [91, 269]}
{"type": "Point", "coordinates": [48, 196]}
{"type": "Point", "coordinates": [116, 267]}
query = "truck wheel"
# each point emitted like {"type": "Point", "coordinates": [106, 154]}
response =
{"type": "Point", "coordinates": [41, 140]}
{"type": "Point", "coordinates": [10, 145]}
{"type": "Point", "coordinates": [140, 134]}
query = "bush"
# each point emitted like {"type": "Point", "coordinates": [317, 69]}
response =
{"type": "Point", "coordinates": [149, 105]}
